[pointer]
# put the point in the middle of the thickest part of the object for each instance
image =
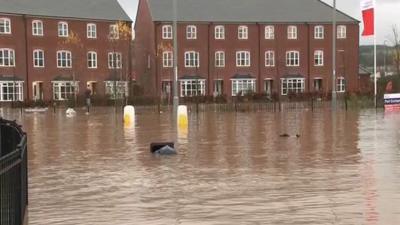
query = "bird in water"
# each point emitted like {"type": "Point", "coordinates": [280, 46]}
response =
{"type": "Point", "coordinates": [287, 135]}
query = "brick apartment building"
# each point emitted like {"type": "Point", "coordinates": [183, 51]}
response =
{"type": "Point", "coordinates": [51, 48]}
{"type": "Point", "coordinates": [230, 47]}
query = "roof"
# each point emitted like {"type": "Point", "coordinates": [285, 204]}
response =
{"type": "Point", "coordinates": [242, 76]}
{"type": "Point", "coordinates": [10, 78]}
{"type": "Point", "coordinates": [363, 71]}
{"type": "Point", "coordinates": [81, 9]}
{"type": "Point", "coordinates": [263, 11]}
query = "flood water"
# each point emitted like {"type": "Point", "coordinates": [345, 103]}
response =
{"type": "Point", "coordinates": [232, 168]}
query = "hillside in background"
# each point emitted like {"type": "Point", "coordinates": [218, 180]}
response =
{"type": "Point", "coordinates": [367, 55]}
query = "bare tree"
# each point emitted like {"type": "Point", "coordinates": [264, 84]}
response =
{"type": "Point", "coordinates": [396, 44]}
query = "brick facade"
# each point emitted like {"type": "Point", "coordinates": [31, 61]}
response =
{"type": "Point", "coordinates": [24, 43]}
{"type": "Point", "coordinates": [149, 33]}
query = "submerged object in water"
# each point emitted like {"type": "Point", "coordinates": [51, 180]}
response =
{"type": "Point", "coordinates": [166, 148]}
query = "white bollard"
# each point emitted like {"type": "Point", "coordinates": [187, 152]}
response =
{"type": "Point", "coordinates": [129, 115]}
{"type": "Point", "coordinates": [182, 116]}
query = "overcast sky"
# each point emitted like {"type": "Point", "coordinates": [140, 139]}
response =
{"type": "Point", "coordinates": [387, 14]}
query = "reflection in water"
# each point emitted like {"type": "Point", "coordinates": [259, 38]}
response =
{"type": "Point", "coordinates": [232, 168]}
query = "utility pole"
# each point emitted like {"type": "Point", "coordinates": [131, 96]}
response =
{"type": "Point", "coordinates": [334, 103]}
{"type": "Point", "coordinates": [175, 57]}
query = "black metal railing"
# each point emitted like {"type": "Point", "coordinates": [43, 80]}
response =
{"type": "Point", "coordinates": [13, 173]}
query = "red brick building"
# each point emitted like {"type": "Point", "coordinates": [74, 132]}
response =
{"type": "Point", "coordinates": [50, 48]}
{"type": "Point", "coordinates": [230, 47]}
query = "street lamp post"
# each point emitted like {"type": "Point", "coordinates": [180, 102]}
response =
{"type": "Point", "coordinates": [175, 57]}
{"type": "Point", "coordinates": [384, 57]}
{"type": "Point", "coordinates": [334, 57]}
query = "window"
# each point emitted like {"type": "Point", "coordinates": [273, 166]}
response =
{"type": "Point", "coordinates": [219, 32]}
{"type": "Point", "coordinates": [292, 32]}
{"type": "Point", "coordinates": [64, 59]}
{"type": "Point", "coordinates": [64, 90]}
{"type": "Point", "coordinates": [117, 89]}
{"type": "Point", "coordinates": [341, 32]}
{"type": "Point", "coordinates": [269, 58]}
{"type": "Point", "coordinates": [292, 58]}
{"type": "Point", "coordinates": [63, 29]}
{"type": "Point", "coordinates": [191, 32]}
{"type": "Point", "coordinates": [319, 58]}
{"type": "Point", "coordinates": [92, 60]}
{"type": "Point", "coordinates": [167, 32]}
{"type": "Point", "coordinates": [219, 59]}
{"type": "Point", "coordinates": [38, 58]}
{"type": "Point", "coordinates": [167, 59]}
{"type": "Point", "coordinates": [37, 28]}
{"type": "Point", "coordinates": [243, 32]}
{"type": "Point", "coordinates": [341, 85]}
{"type": "Point", "coordinates": [5, 26]}
{"type": "Point", "coordinates": [91, 30]}
{"type": "Point", "coordinates": [7, 57]}
{"type": "Point", "coordinates": [195, 87]}
{"type": "Point", "coordinates": [269, 32]}
{"type": "Point", "coordinates": [114, 60]}
{"type": "Point", "coordinates": [292, 85]}
{"type": "Point", "coordinates": [114, 32]}
{"type": "Point", "coordinates": [319, 32]}
{"type": "Point", "coordinates": [192, 59]}
{"type": "Point", "coordinates": [243, 86]}
{"type": "Point", "coordinates": [11, 91]}
{"type": "Point", "coordinates": [243, 59]}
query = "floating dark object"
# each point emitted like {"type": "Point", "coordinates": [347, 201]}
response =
{"type": "Point", "coordinates": [163, 148]}
{"type": "Point", "coordinates": [284, 135]}
{"type": "Point", "coordinates": [297, 135]}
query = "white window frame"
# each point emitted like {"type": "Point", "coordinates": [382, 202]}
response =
{"type": "Point", "coordinates": [168, 59]}
{"type": "Point", "coordinates": [292, 58]}
{"type": "Point", "coordinates": [7, 55]}
{"type": "Point", "coordinates": [341, 32]}
{"type": "Point", "coordinates": [116, 89]}
{"type": "Point", "coordinates": [5, 24]}
{"type": "Point", "coordinates": [319, 32]}
{"type": "Point", "coordinates": [64, 59]}
{"type": "Point", "coordinates": [15, 91]}
{"type": "Point", "coordinates": [269, 32]}
{"type": "Point", "coordinates": [243, 86]}
{"type": "Point", "coordinates": [38, 58]}
{"type": "Point", "coordinates": [191, 32]}
{"type": "Point", "coordinates": [219, 59]}
{"type": "Point", "coordinates": [64, 89]}
{"type": "Point", "coordinates": [292, 85]}
{"type": "Point", "coordinates": [192, 87]}
{"type": "Point", "coordinates": [318, 58]}
{"type": "Point", "coordinates": [114, 60]}
{"type": "Point", "coordinates": [62, 28]}
{"type": "Point", "coordinates": [92, 60]}
{"type": "Point", "coordinates": [37, 28]}
{"type": "Point", "coordinates": [219, 32]}
{"type": "Point", "coordinates": [243, 32]}
{"type": "Point", "coordinates": [192, 59]}
{"type": "Point", "coordinates": [91, 31]}
{"type": "Point", "coordinates": [113, 31]}
{"type": "Point", "coordinates": [292, 32]}
{"type": "Point", "coordinates": [269, 58]}
{"type": "Point", "coordinates": [166, 32]}
{"type": "Point", "coordinates": [243, 59]}
{"type": "Point", "coordinates": [341, 85]}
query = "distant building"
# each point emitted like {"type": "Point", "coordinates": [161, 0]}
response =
{"type": "Point", "coordinates": [230, 47]}
{"type": "Point", "coordinates": [37, 63]}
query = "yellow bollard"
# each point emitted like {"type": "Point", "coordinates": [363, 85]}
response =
{"type": "Point", "coordinates": [129, 116]}
{"type": "Point", "coordinates": [182, 117]}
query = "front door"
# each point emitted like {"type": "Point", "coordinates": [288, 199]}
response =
{"type": "Point", "coordinates": [37, 90]}
{"type": "Point", "coordinates": [268, 87]}
{"type": "Point", "coordinates": [92, 86]}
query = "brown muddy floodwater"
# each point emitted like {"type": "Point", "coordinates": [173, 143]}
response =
{"type": "Point", "coordinates": [232, 168]}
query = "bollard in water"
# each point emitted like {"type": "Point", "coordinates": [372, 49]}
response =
{"type": "Point", "coordinates": [182, 116]}
{"type": "Point", "coordinates": [129, 115]}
